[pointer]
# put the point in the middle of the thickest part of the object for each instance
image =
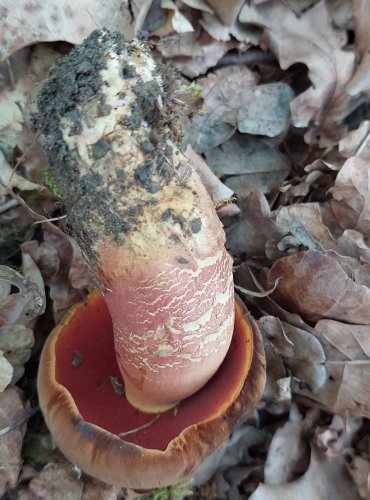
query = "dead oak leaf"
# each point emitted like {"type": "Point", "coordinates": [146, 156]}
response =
{"type": "Point", "coordinates": [11, 407]}
{"type": "Point", "coordinates": [255, 228]}
{"type": "Point", "coordinates": [325, 478]}
{"type": "Point", "coordinates": [249, 164]}
{"type": "Point", "coordinates": [351, 196]}
{"type": "Point", "coordinates": [287, 456]}
{"type": "Point", "coordinates": [24, 23]}
{"type": "Point", "coordinates": [345, 390]}
{"type": "Point", "coordinates": [300, 351]}
{"type": "Point", "coordinates": [309, 39]}
{"type": "Point", "coordinates": [316, 286]}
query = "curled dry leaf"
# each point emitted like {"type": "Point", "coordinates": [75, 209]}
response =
{"type": "Point", "coordinates": [325, 478]}
{"type": "Point", "coordinates": [315, 286]}
{"type": "Point", "coordinates": [295, 39]}
{"type": "Point", "coordinates": [11, 407]}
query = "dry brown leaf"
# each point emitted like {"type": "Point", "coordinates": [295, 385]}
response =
{"type": "Point", "coordinates": [351, 196]}
{"type": "Point", "coordinates": [315, 286]}
{"type": "Point", "coordinates": [258, 110]}
{"type": "Point", "coordinates": [325, 478]}
{"type": "Point", "coordinates": [56, 480]}
{"type": "Point", "coordinates": [17, 342]}
{"type": "Point", "coordinates": [28, 22]}
{"type": "Point", "coordinates": [312, 40]}
{"type": "Point", "coordinates": [356, 142]}
{"type": "Point", "coordinates": [226, 11]}
{"type": "Point", "coordinates": [252, 164]}
{"type": "Point", "coordinates": [301, 352]}
{"type": "Point", "coordinates": [231, 453]}
{"type": "Point", "coordinates": [346, 388]}
{"type": "Point", "coordinates": [359, 469]}
{"type": "Point", "coordinates": [11, 407]}
{"type": "Point", "coordinates": [304, 222]}
{"type": "Point", "coordinates": [9, 177]}
{"type": "Point", "coordinates": [194, 53]}
{"type": "Point", "coordinates": [62, 266]}
{"type": "Point", "coordinates": [256, 227]}
{"type": "Point", "coordinates": [361, 79]}
{"type": "Point", "coordinates": [342, 341]}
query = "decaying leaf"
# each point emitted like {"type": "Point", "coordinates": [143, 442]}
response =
{"type": "Point", "coordinates": [288, 453]}
{"type": "Point", "coordinates": [10, 178]}
{"type": "Point", "coordinates": [255, 228]}
{"type": "Point", "coordinates": [351, 196]}
{"type": "Point", "coordinates": [295, 39]}
{"type": "Point", "coordinates": [250, 165]}
{"type": "Point", "coordinates": [16, 341]}
{"type": "Point", "coordinates": [59, 478]}
{"type": "Point", "coordinates": [232, 452]}
{"type": "Point", "coordinates": [302, 353]}
{"type": "Point", "coordinates": [6, 372]}
{"type": "Point", "coordinates": [11, 407]}
{"type": "Point", "coordinates": [27, 22]}
{"type": "Point", "coordinates": [315, 286]}
{"type": "Point", "coordinates": [31, 301]}
{"type": "Point", "coordinates": [359, 469]}
{"type": "Point", "coordinates": [325, 478]}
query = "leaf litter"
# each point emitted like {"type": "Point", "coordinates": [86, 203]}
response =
{"type": "Point", "coordinates": [280, 135]}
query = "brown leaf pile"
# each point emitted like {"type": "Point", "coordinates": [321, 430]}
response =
{"type": "Point", "coordinates": [280, 96]}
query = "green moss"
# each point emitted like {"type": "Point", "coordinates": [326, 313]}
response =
{"type": "Point", "coordinates": [174, 492]}
{"type": "Point", "coordinates": [194, 89]}
{"type": "Point", "coordinates": [50, 181]}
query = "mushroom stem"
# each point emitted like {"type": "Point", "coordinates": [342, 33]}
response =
{"type": "Point", "coordinates": [141, 215]}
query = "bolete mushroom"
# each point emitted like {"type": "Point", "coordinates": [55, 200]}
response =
{"type": "Point", "coordinates": [165, 318]}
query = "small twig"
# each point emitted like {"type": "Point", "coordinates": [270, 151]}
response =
{"type": "Point", "coordinates": [140, 428]}
{"type": "Point", "coordinates": [20, 420]}
{"type": "Point", "coordinates": [60, 217]}
{"type": "Point", "coordinates": [260, 295]}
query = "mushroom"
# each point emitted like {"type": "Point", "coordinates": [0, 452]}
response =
{"type": "Point", "coordinates": [155, 245]}
{"type": "Point", "coordinates": [99, 431]}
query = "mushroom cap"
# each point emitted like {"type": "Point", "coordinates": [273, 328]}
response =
{"type": "Point", "coordinates": [86, 415]}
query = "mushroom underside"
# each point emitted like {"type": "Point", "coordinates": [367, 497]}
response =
{"type": "Point", "coordinates": [82, 397]}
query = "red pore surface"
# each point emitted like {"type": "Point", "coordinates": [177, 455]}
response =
{"type": "Point", "coordinates": [88, 336]}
